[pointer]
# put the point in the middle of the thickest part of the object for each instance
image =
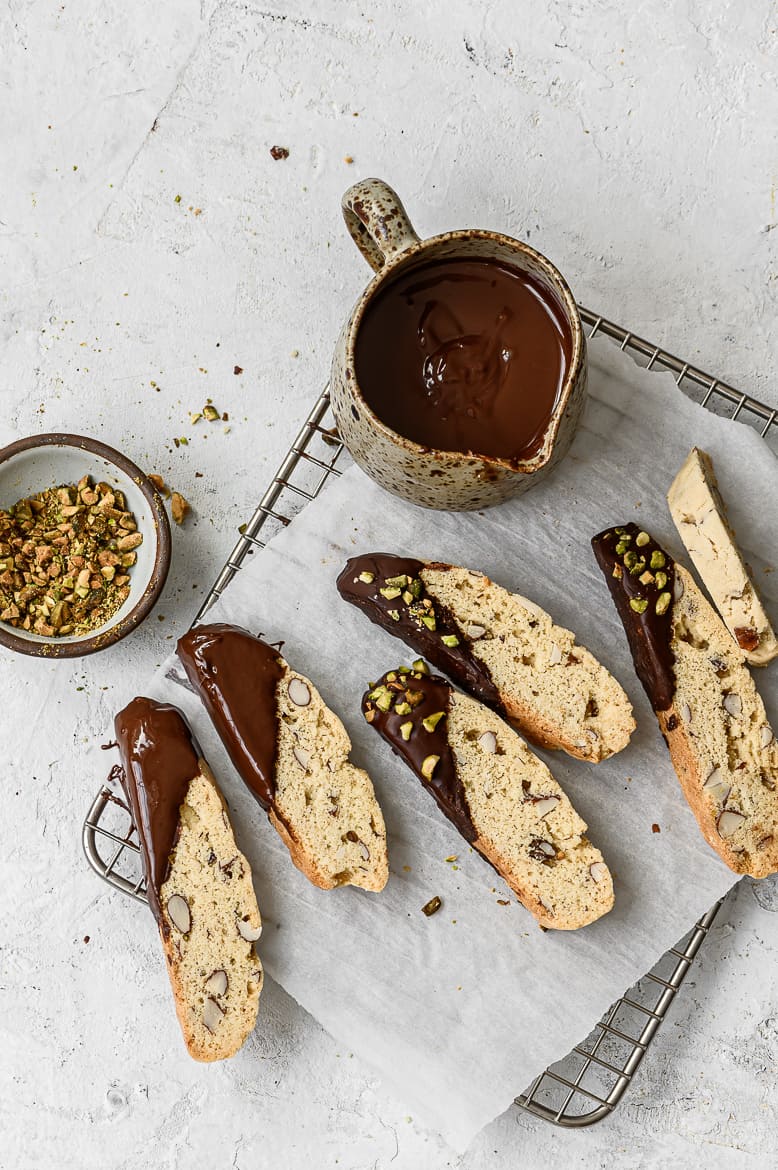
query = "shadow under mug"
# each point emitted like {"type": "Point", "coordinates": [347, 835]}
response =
{"type": "Point", "coordinates": [447, 480]}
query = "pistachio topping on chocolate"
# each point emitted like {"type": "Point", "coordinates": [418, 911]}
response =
{"type": "Point", "coordinates": [390, 590]}
{"type": "Point", "coordinates": [409, 708]}
{"type": "Point", "coordinates": [641, 579]}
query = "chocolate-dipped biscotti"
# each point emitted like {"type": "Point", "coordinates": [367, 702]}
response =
{"type": "Point", "coordinates": [198, 883]}
{"type": "Point", "coordinates": [709, 710]}
{"type": "Point", "coordinates": [292, 753]}
{"type": "Point", "coordinates": [500, 796]}
{"type": "Point", "coordinates": [500, 647]}
{"type": "Point", "coordinates": [700, 516]}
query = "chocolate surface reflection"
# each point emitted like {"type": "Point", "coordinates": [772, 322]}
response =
{"type": "Point", "coordinates": [465, 355]}
{"type": "Point", "coordinates": [159, 759]}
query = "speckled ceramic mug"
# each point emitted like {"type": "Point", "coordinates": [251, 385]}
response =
{"type": "Point", "coordinates": [448, 480]}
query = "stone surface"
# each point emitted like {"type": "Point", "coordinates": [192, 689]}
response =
{"type": "Point", "coordinates": [636, 146]}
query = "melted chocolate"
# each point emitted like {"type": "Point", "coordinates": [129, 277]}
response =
{"type": "Point", "coordinates": [649, 632]}
{"type": "Point", "coordinates": [457, 661]}
{"type": "Point", "coordinates": [236, 676]}
{"type": "Point", "coordinates": [159, 759]}
{"type": "Point", "coordinates": [435, 692]}
{"type": "Point", "coordinates": [465, 355]}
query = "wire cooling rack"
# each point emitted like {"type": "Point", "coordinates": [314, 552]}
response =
{"type": "Point", "coordinates": [588, 1084]}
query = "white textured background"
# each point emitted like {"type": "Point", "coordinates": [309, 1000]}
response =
{"type": "Point", "coordinates": [638, 149]}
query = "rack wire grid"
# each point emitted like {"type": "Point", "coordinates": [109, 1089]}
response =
{"type": "Point", "coordinates": [588, 1084]}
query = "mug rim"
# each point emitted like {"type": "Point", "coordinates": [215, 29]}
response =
{"type": "Point", "coordinates": [577, 357]}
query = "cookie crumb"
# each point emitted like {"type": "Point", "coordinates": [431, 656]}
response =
{"type": "Point", "coordinates": [179, 507]}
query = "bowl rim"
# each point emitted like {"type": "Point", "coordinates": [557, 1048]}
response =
{"type": "Point", "coordinates": [162, 553]}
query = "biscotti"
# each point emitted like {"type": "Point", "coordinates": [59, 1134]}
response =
{"type": "Point", "coordinates": [709, 710]}
{"type": "Point", "coordinates": [500, 796]}
{"type": "Point", "coordinates": [700, 516]}
{"type": "Point", "coordinates": [292, 753]}
{"type": "Point", "coordinates": [498, 646]}
{"type": "Point", "coordinates": [198, 883]}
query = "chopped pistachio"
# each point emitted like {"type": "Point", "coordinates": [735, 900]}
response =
{"type": "Point", "coordinates": [407, 597]}
{"type": "Point", "coordinates": [394, 614]}
{"type": "Point", "coordinates": [414, 697]}
{"type": "Point", "coordinates": [630, 558]}
{"type": "Point", "coordinates": [403, 708]}
{"type": "Point", "coordinates": [663, 603]}
{"type": "Point", "coordinates": [618, 572]}
{"type": "Point", "coordinates": [404, 669]}
{"type": "Point", "coordinates": [406, 729]}
{"type": "Point", "coordinates": [642, 539]}
{"type": "Point", "coordinates": [398, 582]}
{"type": "Point", "coordinates": [384, 701]}
{"type": "Point", "coordinates": [450, 640]}
{"type": "Point", "coordinates": [638, 567]}
{"type": "Point", "coordinates": [638, 604]}
{"type": "Point", "coordinates": [658, 559]}
{"type": "Point", "coordinates": [367, 578]}
{"type": "Point", "coordinates": [432, 906]}
{"type": "Point", "coordinates": [622, 547]}
{"type": "Point", "coordinates": [428, 619]}
{"type": "Point", "coordinates": [421, 666]}
{"type": "Point", "coordinates": [370, 714]}
{"type": "Point", "coordinates": [210, 413]}
{"type": "Point", "coordinates": [646, 578]}
{"type": "Point", "coordinates": [179, 507]}
{"type": "Point", "coordinates": [661, 580]}
{"type": "Point", "coordinates": [428, 766]}
{"type": "Point", "coordinates": [432, 721]}
{"type": "Point", "coordinates": [416, 587]}
{"type": "Point", "coordinates": [391, 676]}
{"type": "Point", "coordinates": [390, 593]}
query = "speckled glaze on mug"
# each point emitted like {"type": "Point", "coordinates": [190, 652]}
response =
{"type": "Point", "coordinates": [447, 480]}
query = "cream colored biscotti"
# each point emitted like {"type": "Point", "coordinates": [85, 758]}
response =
{"type": "Point", "coordinates": [210, 921]}
{"type": "Point", "coordinates": [293, 753]}
{"type": "Point", "coordinates": [709, 710]}
{"type": "Point", "coordinates": [497, 793]}
{"type": "Point", "coordinates": [198, 883]}
{"type": "Point", "coordinates": [499, 646]}
{"type": "Point", "coordinates": [700, 516]}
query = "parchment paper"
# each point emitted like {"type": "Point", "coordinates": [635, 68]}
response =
{"type": "Point", "coordinates": [460, 1011]}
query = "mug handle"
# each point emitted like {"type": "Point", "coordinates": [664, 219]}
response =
{"type": "Point", "coordinates": [377, 221]}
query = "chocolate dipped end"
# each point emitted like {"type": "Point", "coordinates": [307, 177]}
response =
{"type": "Point", "coordinates": [391, 592]}
{"type": "Point", "coordinates": [410, 710]}
{"type": "Point", "coordinates": [159, 759]}
{"type": "Point", "coordinates": [237, 675]}
{"type": "Point", "coordinates": [641, 578]}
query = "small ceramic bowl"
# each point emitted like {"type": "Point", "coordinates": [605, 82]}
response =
{"type": "Point", "coordinates": [39, 462]}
